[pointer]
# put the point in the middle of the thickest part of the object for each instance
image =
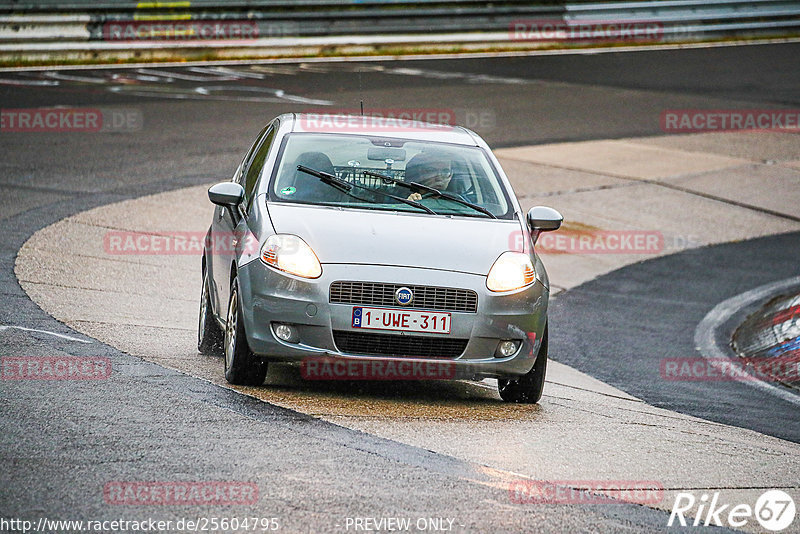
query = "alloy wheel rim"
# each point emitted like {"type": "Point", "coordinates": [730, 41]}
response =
{"type": "Point", "coordinates": [230, 330]}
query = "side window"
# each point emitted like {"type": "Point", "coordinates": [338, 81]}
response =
{"type": "Point", "coordinates": [240, 179]}
{"type": "Point", "coordinates": [256, 164]}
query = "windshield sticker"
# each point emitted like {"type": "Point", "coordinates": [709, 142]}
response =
{"type": "Point", "coordinates": [288, 191]}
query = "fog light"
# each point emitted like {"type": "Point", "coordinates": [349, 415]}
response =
{"type": "Point", "coordinates": [284, 332]}
{"type": "Point", "coordinates": [507, 348]}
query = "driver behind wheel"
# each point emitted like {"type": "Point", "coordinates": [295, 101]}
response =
{"type": "Point", "coordinates": [429, 169]}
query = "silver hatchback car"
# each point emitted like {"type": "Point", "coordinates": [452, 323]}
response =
{"type": "Point", "coordinates": [357, 240]}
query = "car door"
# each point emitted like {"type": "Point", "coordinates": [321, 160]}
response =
{"type": "Point", "coordinates": [229, 225]}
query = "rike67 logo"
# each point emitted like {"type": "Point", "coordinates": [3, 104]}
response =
{"type": "Point", "coordinates": [774, 510]}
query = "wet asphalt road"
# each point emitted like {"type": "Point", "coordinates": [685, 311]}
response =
{"type": "Point", "coordinates": [62, 442]}
{"type": "Point", "coordinates": [649, 314]}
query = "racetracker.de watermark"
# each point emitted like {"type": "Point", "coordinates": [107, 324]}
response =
{"type": "Point", "coordinates": [588, 31]}
{"type": "Point", "coordinates": [594, 242]}
{"type": "Point", "coordinates": [395, 120]}
{"type": "Point", "coordinates": [322, 368]}
{"type": "Point", "coordinates": [55, 367]}
{"type": "Point", "coordinates": [696, 369]}
{"type": "Point", "coordinates": [65, 120]}
{"type": "Point", "coordinates": [195, 523]}
{"type": "Point", "coordinates": [585, 491]}
{"type": "Point", "coordinates": [178, 243]}
{"type": "Point", "coordinates": [223, 493]}
{"type": "Point", "coordinates": [730, 120]}
{"type": "Point", "coordinates": [203, 30]}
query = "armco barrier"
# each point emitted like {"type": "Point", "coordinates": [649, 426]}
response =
{"type": "Point", "coordinates": [49, 26]}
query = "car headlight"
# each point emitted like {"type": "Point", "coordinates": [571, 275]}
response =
{"type": "Point", "coordinates": [512, 270]}
{"type": "Point", "coordinates": [291, 254]}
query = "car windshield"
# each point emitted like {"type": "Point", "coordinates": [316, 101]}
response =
{"type": "Point", "coordinates": [462, 173]}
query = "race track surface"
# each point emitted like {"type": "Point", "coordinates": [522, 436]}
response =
{"type": "Point", "coordinates": [63, 441]}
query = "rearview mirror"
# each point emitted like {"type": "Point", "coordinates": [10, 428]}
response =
{"type": "Point", "coordinates": [226, 194]}
{"type": "Point", "coordinates": [384, 153]}
{"type": "Point", "coordinates": [543, 219]}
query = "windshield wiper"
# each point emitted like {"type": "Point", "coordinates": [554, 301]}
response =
{"type": "Point", "coordinates": [417, 187]}
{"type": "Point", "coordinates": [346, 187]}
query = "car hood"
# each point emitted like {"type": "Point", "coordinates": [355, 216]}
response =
{"type": "Point", "coordinates": [390, 238]}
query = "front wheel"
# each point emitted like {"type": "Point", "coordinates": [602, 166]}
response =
{"type": "Point", "coordinates": [242, 367]}
{"type": "Point", "coordinates": [528, 387]}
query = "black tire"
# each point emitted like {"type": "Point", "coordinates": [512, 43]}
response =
{"type": "Point", "coordinates": [242, 367]}
{"type": "Point", "coordinates": [209, 334]}
{"type": "Point", "coordinates": [528, 387]}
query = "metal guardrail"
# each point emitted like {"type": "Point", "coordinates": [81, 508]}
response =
{"type": "Point", "coordinates": [49, 23]}
{"type": "Point", "coordinates": [93, 6]}
{"type": "Point", "coordinates": [104, 5]}
{"type": "Point", "coordinates": [696, 18]}
{"type": "Point", "coordinates": [278, 18]}
{"type": "Point", "coordinates": [684, 10]}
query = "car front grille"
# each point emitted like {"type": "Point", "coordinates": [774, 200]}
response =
{"type": "Point", "coordinates": [400, 346]}
{"type": "Point", "coordinates": [425, 297]}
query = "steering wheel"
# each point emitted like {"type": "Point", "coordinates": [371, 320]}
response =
{"type": "Point", "coordinates": [434, 195]}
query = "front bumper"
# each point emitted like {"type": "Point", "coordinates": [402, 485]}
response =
{"type": "Point", "coordinates": [269, 296]}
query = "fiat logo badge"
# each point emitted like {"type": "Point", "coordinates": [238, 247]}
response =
{"type": "Point", "coordinates": [403, 296]}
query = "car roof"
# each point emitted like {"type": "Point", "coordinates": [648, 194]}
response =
{"type": "Point", "coordinates": [374, 126]}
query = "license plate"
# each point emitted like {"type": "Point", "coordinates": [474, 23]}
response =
{"type": "Point", "coordinates": [402, 320]}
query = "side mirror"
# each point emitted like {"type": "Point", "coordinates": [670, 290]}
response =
{"type": "Point", "coordinates": [226, 194]}
{"type": "Point", "coordinates": [543, 219]}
